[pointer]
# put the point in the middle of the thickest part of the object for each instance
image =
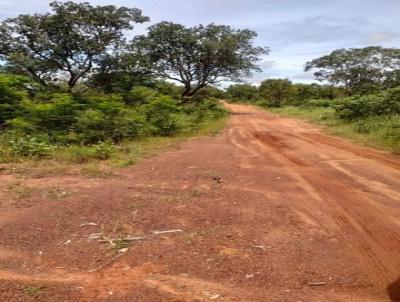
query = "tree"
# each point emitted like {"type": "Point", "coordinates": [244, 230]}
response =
{"type": "Point", "coordinates": [276, 91]}
{"type": "Point", "coordinates": [198, 56]}
{"type": "Point", "coordinates": [303, 92]}
{"type": "Point", "coordinates": [66, 44]}
{"type": "Point", "coordinates": [245, 92]}
{"type": "Point", "coordinates": [358, 70]}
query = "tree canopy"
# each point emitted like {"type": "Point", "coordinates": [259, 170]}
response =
{"type": "Point", "coordinates": [276, 90]}
{"type": "Point", "coordinates": [359, 70]}
{"type": "Point", "coordinates": [243, 92]}
{"type": "Point", "coordinates": [198, 56]}
{"type": "Point", "coordinates": [67, 44]}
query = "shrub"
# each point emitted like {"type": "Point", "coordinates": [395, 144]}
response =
{"type": "Point", "coordinates": [21, 125]}
{"type": "Point", "coordinates": [316, 103]}
{"type": "Point", "coordinates": [103, 150]}
{"type": "Point", "coordinates": [369, 125]}
{"type": "Point", "coordinates": [162, 116]}
{"type": "Point", "coordinates": [387, 103]}
{"type": "Point", "coordinates": [207, 109]}
{"type": "Point", "coordinates": [12, 93]}
{"type": "Point", "coordinates": [58, 113]}
{"type": "Point", "coordinates": [29, 146]}
{"type": "Point", "coordinates": [139, 95]}
{"type": "Point", "coordinates": [107, 118]}
{"type": "Point", "coordinates": [82, 154]}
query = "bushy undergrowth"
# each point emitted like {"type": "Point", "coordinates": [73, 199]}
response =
{"type": "Point", "coordinates": [373, 120]}
{"type": "Point", "coordinates": [90, 124]}
{"type": "Point", "coordinates": [385, 103]}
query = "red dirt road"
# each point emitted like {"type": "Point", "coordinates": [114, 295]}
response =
{"type": "Point", "coordinates": [270, 210]}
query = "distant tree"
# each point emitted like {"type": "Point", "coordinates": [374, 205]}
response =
{"type": "Point", "coordinates": [331, 92]}
{"type": "Point", "coordinates": [66, 44]}
{"type": "Point", "coordinates": [276, 91]}
{"type": "Point", "coordinates": [359, 70]}
{"type": "Point", "coordinates": [245, 92]}
{"type": "Point", "coordinates": [198, 56]}
{"type": "Point", "coordinates": [302, 92]}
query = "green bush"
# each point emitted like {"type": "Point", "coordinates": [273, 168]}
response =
{"type": "Point", "coordinates": [385, 103]}
{"type": "Point", "coordinates": [316, 103]}
{"type": "Point", "coordinates": [12, 93]}
{"type": "Point", "coordinates": [58, 113]}
{"type": "Point", "coordinates": [30, 146]}
{"type": "Point", "coordinates": [103, 150]}
{"type": "Point", "coordinates": [161, 114]}
{"type": "Point", "coordinates": [82, 154]}
{"type": "Point", "coordinates": [94, 126]}
{"type": "Point", "coordinates": [140, 95]}
{"type": "Point", "coordinates": [107, 118]}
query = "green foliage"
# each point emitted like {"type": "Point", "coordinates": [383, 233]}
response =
{"type": "Point", "coordinates": [82, 154]}
{"type": "Point", "coordinates": [12, 93]}
{"type": "Point", "coordinates": [316, 103]}
{"type": "Point", "coordinates": [243, 92]}
{"type": "Point", "coordinates": [386, 103]}
{"type": "Point", "coordinates": [206, 110]}
{"type": "Point", "coordinates": [30, 146]}
{"type": "Point", "coordinates": [197, 56]}
{"type": "Point", "coordinates": [110, 123]}
{"type": "Point", "coordinates": [67, 43]}
{"type": "Point", "coordinates": [139, 95]}
{"type": "Point", "coordinates": [359, 70]}
{"type": "Point", "coordinates": [208, 92]}
{"type": "Point", "coordinates": [166, 88]}
{"type": "Point", "coordinates": [56, 113]}
{"type": "Point", "coordinates": [279, 92]}
{"type": "Point", "coordinates": [162, 116]}
{"type": "Point", "coordinates": [276, 91]}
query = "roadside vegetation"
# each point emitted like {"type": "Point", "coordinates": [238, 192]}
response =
{"type": "Point", "coordinates": [74, 89]}
{"type": "Point", "coordinates": [360, 100]}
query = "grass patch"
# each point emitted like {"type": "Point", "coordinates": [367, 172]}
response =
{"type": "Point", "coordinates": [34, 291]}
{"type": "Point", "coordinates": [382, 132]}
{"type": "Point", "coordinates": [55, 193]}
{"type": "Point", "coordinates": [18, 191]}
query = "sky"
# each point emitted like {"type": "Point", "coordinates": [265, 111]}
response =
{"type": "Point", "coordinates": [296, 31]}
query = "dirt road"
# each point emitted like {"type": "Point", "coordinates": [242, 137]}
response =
{"type": "Point", "coordinates": [270, 210]}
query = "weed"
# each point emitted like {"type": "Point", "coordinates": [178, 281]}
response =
{"type": "Point", "coordinates": [34, 291]}
{"type": "Point", "coordinates": [19, 191]}
{"type": "Point", "coordinates": [55, 193]}
{"type": "Point", "coordinates": [94, 170]}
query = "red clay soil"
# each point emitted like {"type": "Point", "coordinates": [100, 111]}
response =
{"type": "Point", "coordinates": [271, 209]}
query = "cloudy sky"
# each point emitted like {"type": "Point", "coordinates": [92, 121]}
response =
{"type": "Point", "coordinates": [295, 30]}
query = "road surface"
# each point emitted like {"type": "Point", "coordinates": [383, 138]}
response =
{"type": "Point", "coordinates": [271, 209]}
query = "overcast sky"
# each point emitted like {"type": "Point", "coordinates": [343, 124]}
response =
{"type": "Point", "coordinates": [295, 30]}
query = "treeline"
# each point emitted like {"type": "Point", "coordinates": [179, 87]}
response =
{"type": "Point", "coordinates": [280, 92]}
{"type": "Point", "coordinates": [73, 77]}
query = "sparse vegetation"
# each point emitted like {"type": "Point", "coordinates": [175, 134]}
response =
{"type": "Point", "coordinates": [34, 291]}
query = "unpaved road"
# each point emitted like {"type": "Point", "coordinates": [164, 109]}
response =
{"type": "Point", "coordinates": [270, 210]}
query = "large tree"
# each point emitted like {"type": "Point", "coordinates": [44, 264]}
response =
{"type": "Point", "coordinates": [198, 56]}
{"type": "Point", "coordinates": [359, 70]}
{"type": "Point", "coordinates": [276, 91]}
{"type": "Point", "coordinates": [67, 44]}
